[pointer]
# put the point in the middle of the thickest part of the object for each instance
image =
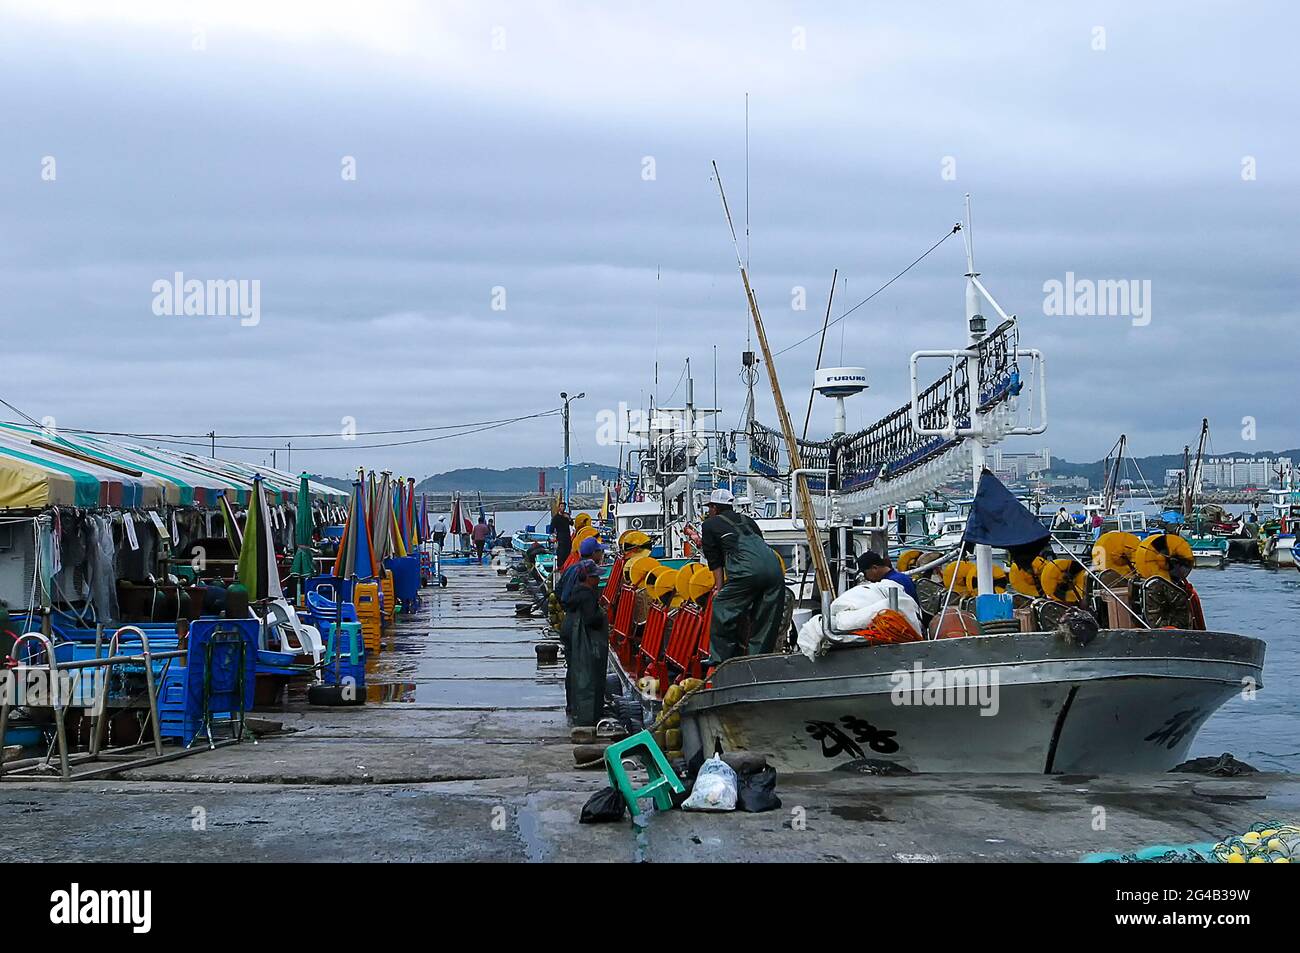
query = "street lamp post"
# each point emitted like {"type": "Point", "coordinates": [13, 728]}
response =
{"type": "Point", "coordinates": [566, 398]}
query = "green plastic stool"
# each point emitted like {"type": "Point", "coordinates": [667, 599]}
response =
{"type": "Point", "coordinates": [662, 776]}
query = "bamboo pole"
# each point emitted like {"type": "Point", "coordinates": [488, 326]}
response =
{"type": "Point", "coordinates": [822, 569]}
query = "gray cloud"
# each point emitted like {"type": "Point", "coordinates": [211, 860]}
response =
{"type": "Point", "coordinates": [521, 168]}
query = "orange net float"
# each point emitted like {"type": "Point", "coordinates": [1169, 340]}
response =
{"type": "Point", "coordinates": [953, 624]}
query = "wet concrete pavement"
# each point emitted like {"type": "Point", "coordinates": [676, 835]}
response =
{"type": "Point", "coordinates": [462, 754]}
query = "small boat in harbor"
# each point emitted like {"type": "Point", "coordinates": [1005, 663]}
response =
{"type": "Point", "coordinates": [1210, 551]}
{"type": "Point", "coordinates": [1277, 535]}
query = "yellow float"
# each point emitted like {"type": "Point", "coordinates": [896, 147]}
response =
{"type": "Point", "coordinates": [1064, 580]}
{"type": "Point", "coordinates": [907, 560]}
{"type": "Point", "coordinates": [694, 581]}
{"type": "Point", "coordinates": [1115, 551]}
{"type": "Point", "coordinates": [635, 570]}
{"type": "Point", "coordinates": [1153, 555]}
{"type": "Point", "coordinates": [1028, 582]}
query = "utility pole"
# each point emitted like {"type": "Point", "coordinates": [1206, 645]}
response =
{"type": "Point", "coordinates": [289, 462]}
{"type": "Point", "coordinates": [567, 399]}
{"type": "Point", "coordinates": [212, 435]}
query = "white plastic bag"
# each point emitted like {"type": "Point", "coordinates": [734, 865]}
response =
{"type": "Point", "coordinates": [715, 788]}
{"type": "Point", "coordinates": [812, 641]}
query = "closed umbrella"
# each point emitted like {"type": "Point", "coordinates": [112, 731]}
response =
{"type": "Point", "coordinates": [233, 532]}
{"type": "Point", "coordinates": [355, 559]}
{"type": "Point", "coordinates": [257, 569]}
{"type": "Point", "coordinates": [457, 521]}
{"type": "Point", "coordinates": [303, 563]}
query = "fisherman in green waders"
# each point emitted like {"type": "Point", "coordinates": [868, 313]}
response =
{"type": "Point", "coordinates": [748, 585]}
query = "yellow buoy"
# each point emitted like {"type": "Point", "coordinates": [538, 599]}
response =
{"type": "Point", "coordinates": [1028, 582]}
{"type": "Point", "coordinates": [964, 572]}
{"type": "Point", "coordinates": [907, 559]}
{"type": "Point", "coordinates": [1154, 553]}
{"type": "Point", "coordinates": [694, 581]}
{"type": "Point", "coordinates": [661, 580]}
{"type": "Point", "coordinates": [636, 569]}
{"type": "Point", "coordinates": [1064, 580]}
{"type": "Point", "coordinates": [1114, 551]}
{"type": "Point", "coordinates": [633, 539]}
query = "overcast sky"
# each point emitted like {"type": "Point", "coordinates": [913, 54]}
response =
{"type": "Point", "coordinates": [562, 152]}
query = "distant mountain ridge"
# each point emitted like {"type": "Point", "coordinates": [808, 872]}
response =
{"type": "Point", "coordinates": [512, 480]}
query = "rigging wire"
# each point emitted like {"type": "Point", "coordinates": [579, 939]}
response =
{"type": "Point", "coordinates": [955, 229]}
{"type": "Point", "coordinates": [207, 441]}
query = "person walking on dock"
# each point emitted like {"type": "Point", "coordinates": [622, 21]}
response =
{"type": "Point", "coordinates": [440, 532]}
{"type": "Point", "coordinates": [748, 584]}
{"type": "Point", "coordinates": [480, 535]}
{"type": "Point", "coordinates": [562, 527]}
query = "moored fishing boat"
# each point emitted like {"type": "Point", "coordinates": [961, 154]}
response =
{"type": "Point", "coordinates": [1129, 701]}
{"type": "Point", "coordinates": [1020, 682]}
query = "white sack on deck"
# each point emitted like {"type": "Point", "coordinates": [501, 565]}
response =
{"type": "Point", "coordinates": [856, 609]}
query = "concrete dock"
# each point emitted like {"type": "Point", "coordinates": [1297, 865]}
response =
{"type": "Point", "coordinates": [463, 754]}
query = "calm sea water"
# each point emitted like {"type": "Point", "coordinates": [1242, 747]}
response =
{"type": "Point", "coordinates": [1248, 600]}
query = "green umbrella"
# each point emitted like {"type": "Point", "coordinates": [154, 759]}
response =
{"type": "Point", "coordinates": [257, 569]}
{"type": "Point", "coordinates": [303, 563]}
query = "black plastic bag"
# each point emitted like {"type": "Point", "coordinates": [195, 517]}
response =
{"type": "Point", "coordinates": [756, 792]}
{"type": "Point", "coordinates": [603, 806]}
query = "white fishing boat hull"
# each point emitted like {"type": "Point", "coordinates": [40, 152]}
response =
{"type": "Point", "coordinates": [1130, 702]}
{"type": "Point", "coordinates": [1279, 551]}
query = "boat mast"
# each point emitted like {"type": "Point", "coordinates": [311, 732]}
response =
{"type": "Point", "coordinates": [1194, 484]}
{"type": "Point", "coordinates": [976, 326]}
{"type": "Point", "coordinates": [821, 566]}
{"type": "Point", "coordinates": [1112, 477]}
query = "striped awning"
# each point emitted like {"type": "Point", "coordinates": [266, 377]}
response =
{"type": "Point", "coordinates": [41, 468]}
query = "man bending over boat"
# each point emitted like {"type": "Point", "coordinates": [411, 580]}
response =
{"type": "Point", "coordinates": [875, 567]}
{"type": "Point", "coordinates": [1168, 599]}
{"type": "Point", "coordinates": [748, 585]}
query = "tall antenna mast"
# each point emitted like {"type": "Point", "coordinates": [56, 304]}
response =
{"type": "Point", "coordinates": [748, 343]}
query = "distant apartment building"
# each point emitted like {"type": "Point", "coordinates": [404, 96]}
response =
{"type": "Point", "coordinates": [1235, 472]}
{"type": "Point", "coordinates": [592, 486]}
{"type": "Point", "coordinates": [1068, 484]}
{"type": "Point", "coordinates": [1019, 466]}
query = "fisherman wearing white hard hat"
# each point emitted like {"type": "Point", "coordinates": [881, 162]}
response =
{"type": "Point", "coordinates": [748, 585]}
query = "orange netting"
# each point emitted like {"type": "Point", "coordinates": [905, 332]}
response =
{"type": "Point", "coordinates": [889, 626]}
